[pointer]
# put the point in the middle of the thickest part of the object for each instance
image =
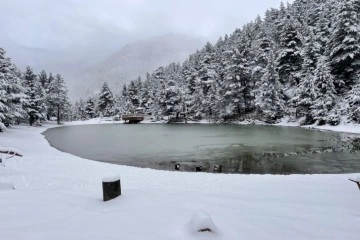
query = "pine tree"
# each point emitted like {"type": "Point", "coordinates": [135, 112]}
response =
{"type": "Point", "coordinates": [289, 59]}
{"type": "Point", "coordinates": [268, 99]}
{"type": "Point", "coordinates": [344, 45]}
{"type": "Point", "coordinates": [57, 98]}
{"type": "Point", "coordinates": [325, 94]}
{"type": "Point", "coordinates": [353, 99]}
{"type": "Point", "coordinates": [35, 101]}
{"type": "Point", "coordinates": [106, 101]}
{"type": "Point", "coordinates": [90, 109]}
{"type": "Point", "coordinates": [43, 79]}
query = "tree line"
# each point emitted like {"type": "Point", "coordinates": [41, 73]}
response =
{"type": "Point", "coordinates": [26, 96]}
{"type": "Point", "coordinates": [301, 60]}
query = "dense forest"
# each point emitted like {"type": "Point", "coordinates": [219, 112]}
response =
{"type": "Point", "coordinates": [301, 60]}
{"type": "Point", "coordinates": [26, 96]}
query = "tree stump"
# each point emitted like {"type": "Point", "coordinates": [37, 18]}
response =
{"type": "Point", "coordinates": [111, 188]}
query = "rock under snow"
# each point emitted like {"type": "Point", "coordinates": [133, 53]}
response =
{"type": "Point", "coordinates": [201, 222]}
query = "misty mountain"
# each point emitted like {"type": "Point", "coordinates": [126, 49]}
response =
{"type": "Point", "coordinates": [131, 61]}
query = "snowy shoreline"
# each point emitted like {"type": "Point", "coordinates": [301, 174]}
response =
{"type": "Point", "coordinates": [58, 196]}
{"type": "Point", "coordinates": [343, 127]}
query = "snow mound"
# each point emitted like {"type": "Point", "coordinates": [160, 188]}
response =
{"type": "Point", "coordinates": [111, 178]}
{"type": "Point", "coordinates": [201, 222]}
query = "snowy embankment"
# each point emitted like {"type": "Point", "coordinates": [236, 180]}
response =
{"type": "Point", "coordinates": [59, 196]}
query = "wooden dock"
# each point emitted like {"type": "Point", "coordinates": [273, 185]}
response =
{"type": "Point", "coordinates": [132, 118]}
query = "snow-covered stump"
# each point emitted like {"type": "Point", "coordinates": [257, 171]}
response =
{"type": "Point", "coordinates": [111, 188]}
{"type": "Point", "coordinates": [201, 222]}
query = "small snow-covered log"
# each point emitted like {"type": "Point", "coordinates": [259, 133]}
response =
{"type": "Point", "coordinates": [201, 222]}
{"type": "Point", "coordinates": [10, 151]}
{"type": "Point", "coordinates": [111, 188]}
{"type": "Point", "coordinates": [357, 182]}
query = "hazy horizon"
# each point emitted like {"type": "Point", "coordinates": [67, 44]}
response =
{"type": "Point", "coordinates": [71, 35]}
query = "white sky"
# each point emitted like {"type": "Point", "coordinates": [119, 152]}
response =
{"type": "Point", "coordinates": [106, 25]}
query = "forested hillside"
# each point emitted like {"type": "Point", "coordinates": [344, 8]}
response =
{"type": "Point", "coordinates": [30, 97]}
{"type": "Point", "coordinates": [301, 60]}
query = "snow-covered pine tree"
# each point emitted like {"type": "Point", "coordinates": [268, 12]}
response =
{"type": "Point", "coordinates": [90, 109]}
{"type": "Point", "coordinates": [106, 101]}
{"type": "Point", "coordinates": [16, 93]}
{"type": "Point", "coordinates": [4, 98]}
{"type": "Point", "coordinates": [322, 109]}
{"type": "Point", "coordinates": [146, 96]}
{"type": "Point", "coordinates": [289, 58]}
{"type": "Point", "coordinates": [35, 98]}
{"type": "Point", "coordinates": [11, 92]}
{"type": "Point", "coordinates": [344, 45]}
{"type": "Point", "coordinates": [304, 94]}
{"type": "Point", "coordinates": [43, 79]}
{"type": "Point", "coordinates": [353, 99]}
{"type": "Point", "coordinates": [268, 99]}
{"type": "Point", "coordinates": [57, 98]}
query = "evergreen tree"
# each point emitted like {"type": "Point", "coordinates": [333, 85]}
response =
{"type": "Point", "coordinates": [325, 93]}
{"type": "Point", "coordinates": [12, 94]}
{"type": "Point", "coordinates": [353, 99]}
{"type": "Point", "coordinates": [43, 79]}
{"type": "Point", "coordinates": [35, 102]}
{"type": "Point", "coordinates": [57, 98]}
{"type": "Point", "coordinates": [106, 101]}
{"type": "Point", "coordinates": [90, 109]}
{"type": "Point", "coordinates": [344, 45]}
{"type": "Point", "coordinates": [268, 100]}
{"type": "Point", "coordinates": [289, 59]}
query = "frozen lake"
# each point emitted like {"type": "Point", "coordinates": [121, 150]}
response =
{"type": "Point", "coordinates": [239, 149]}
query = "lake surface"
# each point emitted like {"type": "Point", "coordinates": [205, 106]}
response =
{"type": "Point", "coordinates": [239, 149]}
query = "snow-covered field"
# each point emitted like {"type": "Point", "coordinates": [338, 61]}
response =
{"type": "Point", "coordinates": [59, 196]}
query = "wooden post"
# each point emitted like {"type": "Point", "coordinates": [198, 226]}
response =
{"type": "Point", "coordinates": [111, 188]}
{"type": "Point", "coordinates": [177, 167]}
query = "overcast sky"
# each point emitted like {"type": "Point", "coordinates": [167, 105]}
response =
{"type": "Point", "coordinates": [106, 25]}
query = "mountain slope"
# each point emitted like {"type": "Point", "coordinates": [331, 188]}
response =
{"type": "Point", "coordinates": [133, 60]}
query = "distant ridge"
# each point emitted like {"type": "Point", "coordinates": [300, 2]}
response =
{"type": "Point", "coordinates": [133, 60]}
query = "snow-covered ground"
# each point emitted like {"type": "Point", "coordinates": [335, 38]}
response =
{"type": "Point", "coordinates": [59, 196]}
{"type": "Point", "coordinates": [344, 126]}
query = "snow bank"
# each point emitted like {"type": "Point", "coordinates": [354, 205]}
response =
{"type": "Point", "coordinates": [59, 196]}
{"type": "Point", "coordinates": [344, 126]}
